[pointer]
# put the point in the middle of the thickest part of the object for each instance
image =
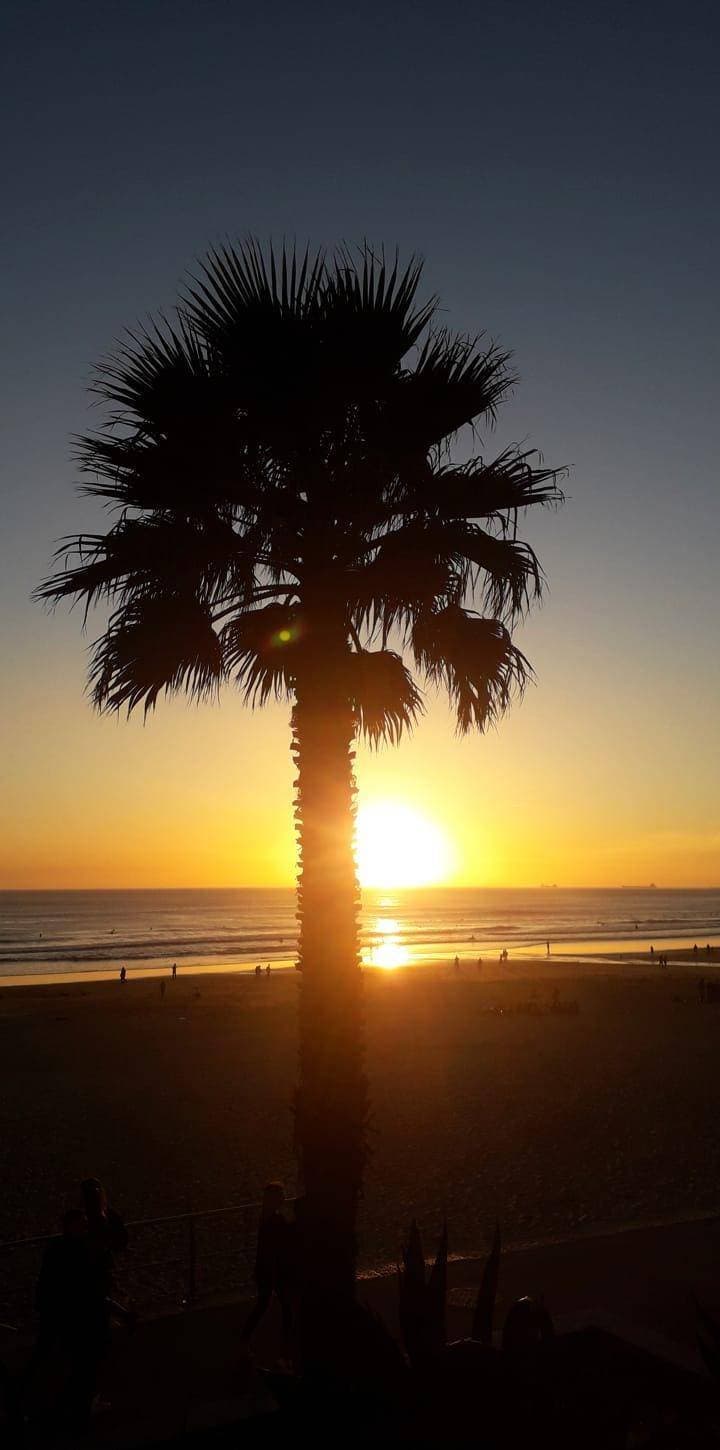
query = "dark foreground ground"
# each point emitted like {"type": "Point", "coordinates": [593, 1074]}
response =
{"type": "Point", "coordinates": [622, 1305]}
{"type": "Point", "coordinates": [487, 1104]}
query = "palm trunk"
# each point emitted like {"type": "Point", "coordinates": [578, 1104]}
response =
{"type": "Point", "coordinates": [331, 1109]}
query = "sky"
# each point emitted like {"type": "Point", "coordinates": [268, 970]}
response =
{"type": "Point", "coordinates": [556, 165]}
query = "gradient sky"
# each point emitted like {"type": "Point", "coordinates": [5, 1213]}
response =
{"type": "Point", "coordinates": [557, 165]}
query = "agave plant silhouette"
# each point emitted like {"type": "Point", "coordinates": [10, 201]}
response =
{"type": "Point", "coordinates": [290, 520]}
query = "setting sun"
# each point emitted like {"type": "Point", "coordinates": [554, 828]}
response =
{"type": "Point", "coordinates": [397, 846]}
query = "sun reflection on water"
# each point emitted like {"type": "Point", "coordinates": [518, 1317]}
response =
{"type": "Point", "coordinates": [386, 948]}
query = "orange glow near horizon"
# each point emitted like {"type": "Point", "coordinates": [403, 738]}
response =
{"type": "Point", "coordinates": [203, 797]}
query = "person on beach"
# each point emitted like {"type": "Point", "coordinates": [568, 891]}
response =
{"type": "Point", "coordinates": [106, 1236]}
{"type": "Point", "coordinates": [258, 970]}
{"type": "Point", "coordinates": [479, 964]}
{"type": "Point", "coordinates": [174, 970]}
{"type": "Point", "coordinates": [273, 1265]}
{"type": "Point", "coordinates": [547, 948]}
{"type": "Point", "coordinates": [267, 970]}
{"type": "Point", "coordinates": [695, 950]}
{"type": "Point", "coordinates": [123, 974]}
{"type": "Point", "coordinates": [456, 964]}
{"type": "Point", "coordinates": [652, 953]}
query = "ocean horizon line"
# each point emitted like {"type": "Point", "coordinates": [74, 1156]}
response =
{"type": "Point", "coordinates": [424, 889]}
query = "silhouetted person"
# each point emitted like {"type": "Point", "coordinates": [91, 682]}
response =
{"type": "Point", "coordinates": [479, 964]}
{"type": "Point", "coordinates": [274, 1263]}
{"type": "Point", "coordinates": [62, 1282]}
{"type": "Point", "coordinates": [547, 948]}
{"type": "Point", "coordinates": [123, 974]}
{"type": "Point", "coordinates": [174, 970]}
{"type": "Point", "coordinates": [456, 964]}
{"type": "Point", "coordinates": [258, 970]}
{"type": "Point", "coordinates": [695, 950]}
{"type": "Point", "coordinates": [652, 952]}
{"type": "Point", "coordinates": [73, 1317]}
{"type": "Point", "coordinates": [106, 1230]}
{"type": "Point", "coordinates": [267, 970]}
{"type": "Point", "coordinates": [708, 949]}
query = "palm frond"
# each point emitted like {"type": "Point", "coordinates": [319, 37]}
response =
{"type": "Point", "coordinates": [505, 572]}
{"type": "Point", "coordinates": [438, 560]}
{"type": "Point", "coordinates": [236, 283]}
{"type": "Point", "coordinates": [154, 555]}
{"type": "Point", "coordinates": [495, 489]}
{"type": "Point", "coordinates": [371, 314]}
{"type": "Point", "coordinates": [455, 382]}
{"type": "Point", "coordinates": [260, 648]}
{"type": "Point", "coordinates": [202, 464]}
{"type": "Point", "coordinates": [152, 646]}
{"type": "Point", "coordinates": [384, 695]}
{"type": "Point", "coordinates": [156, 374]}
{"type": "Point", "coordinates": [410, 571]}
{"type": "Point", "coordinates": [474, 659]}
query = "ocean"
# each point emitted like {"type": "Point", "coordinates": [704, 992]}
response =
{"type": "Point", "coordinates": [92, 933]}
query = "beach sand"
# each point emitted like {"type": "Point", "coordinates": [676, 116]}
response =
{"type": "Point", "coordinates": [485, 1103]}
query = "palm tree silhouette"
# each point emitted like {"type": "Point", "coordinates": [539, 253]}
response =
{"type": "Point", "coordinates": [291, 520]}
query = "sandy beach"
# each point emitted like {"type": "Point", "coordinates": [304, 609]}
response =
{"type": "Point", "coordinates": [486, 1102]}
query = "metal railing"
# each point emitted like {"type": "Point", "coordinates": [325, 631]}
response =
{"type": "Point", "coordinates": [180, 1260]}
{"type": "Point", "coordinates": [170, 1262]}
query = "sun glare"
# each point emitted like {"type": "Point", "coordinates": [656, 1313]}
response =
{"type": "Point", "coordinates": [397, 846]}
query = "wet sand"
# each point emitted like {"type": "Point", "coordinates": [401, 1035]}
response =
{"type": "Point", "coordinates": [486, 1102]}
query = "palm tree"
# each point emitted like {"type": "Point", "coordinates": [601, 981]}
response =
{"type": "Point", "coordinates": [290, 519]}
